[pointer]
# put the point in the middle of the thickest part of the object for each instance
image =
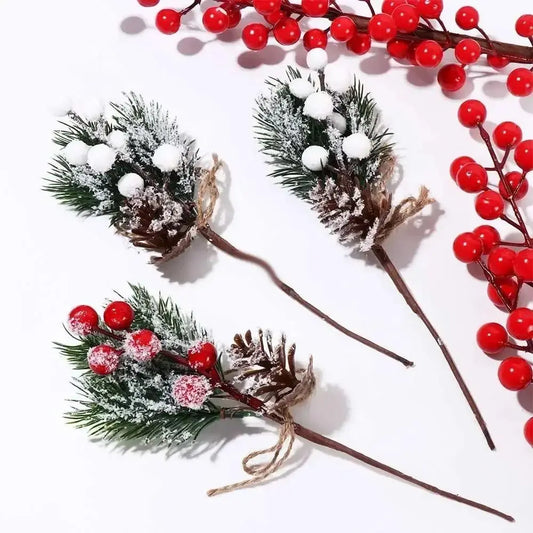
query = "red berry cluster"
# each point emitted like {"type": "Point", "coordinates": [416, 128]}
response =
{"type": "Point", "coordinates": [507, 265]}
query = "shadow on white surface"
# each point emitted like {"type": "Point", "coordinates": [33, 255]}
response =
{"type": "Point", "coordinates": [525, 399]}
{"type": "Point", "coordinates": [133, 25]}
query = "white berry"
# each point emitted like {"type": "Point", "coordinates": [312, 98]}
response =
{"type": "Point", "coordinates": [167, 157]}
{"type": "Point", "coordinates": [60, 106]}
{"type": "Point", "coordinates": [101, 158]}
{"type": "Point", "coordinates": [338, 122]}
{"type": "Point", "coordinates": [117, 139]}
{"type": "Point", "coordinates": [315, 158]}
{"type": "Point", "coordinates": [75, 152]}
{"type": "Point", "coordinates": [91, 109]}
{"type": "Point", "coordinates": [130, 184]}
{"type": "Point", "coordinates": [317, 58]}
{"type": "Point", "coordinates": [337, 79]}
{"type": "Point", "coordinates": [301, 88]}
{"type": "Point", "coordinates": [357, 146]}
{"type": "Point", "coordinates": [318, 105]}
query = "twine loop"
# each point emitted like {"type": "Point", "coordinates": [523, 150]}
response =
{"type": "Point", "coordinates": [207, 194]}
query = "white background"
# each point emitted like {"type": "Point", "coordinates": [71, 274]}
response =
{"type": "Point", "coordinates": [53, 478]}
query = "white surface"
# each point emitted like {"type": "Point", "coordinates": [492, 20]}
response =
{"type": "Point", "coordinates": [53, 478]}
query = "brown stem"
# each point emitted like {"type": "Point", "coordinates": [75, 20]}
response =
{"type": "Point", "coordinates": [222, 244]}
{"type": "Point", "coordinates": [404, 290]}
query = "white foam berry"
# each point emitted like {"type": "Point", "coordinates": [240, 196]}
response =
{"type": "Point", "coordinates": [60, 106]}
{"type": "Point", "coordinates": [101, 158]}
{"type": "Point", "coordinates": [75, 152]}
{"type": "Point", "coordinates": [338, 121]}
{"type": "Point", "coordinates": [130, 184]}
{"type": "Point", "coordinates": [91, 109]}
{"type": "Point", "coordinates": [167, 157]}
{"type": "Point", "coordinates": [317, 58]}
{"type": "Point", "coordinates": [315, 158]}
{"type": "Point", "coordinates": [301, 88]}
{"type": "Point", "coordinates": [337, 78]}
{"type": "Point", "coordinates": [357, 146]}
{"type": "Point", "coordinates": [117, 139]}
{"type": "Point", "coordinates": [318, 105]}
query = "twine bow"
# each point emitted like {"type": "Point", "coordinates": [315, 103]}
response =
{"type": "Point", "coordinates": [283, 447]}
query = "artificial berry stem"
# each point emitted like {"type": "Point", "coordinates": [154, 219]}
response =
{"type": "Point", "coordinates": [491, 278]}
{"type": "Point", "coordinates": [404, 290]}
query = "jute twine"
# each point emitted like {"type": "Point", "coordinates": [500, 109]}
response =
{"type": "Point", "coordinates": [282, 449]}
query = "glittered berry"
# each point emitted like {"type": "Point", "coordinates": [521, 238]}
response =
{"type": "Point", "coordinates": [467, 51]}
{"type": "Point", "coordinates": [500, 261]}
{"type": "Point", "coordinates": [472, 178]}
{"type": "Point", "coordinates": [467, 18]}
{"type": "Point", "coordinates": [523, 155]}
{"type": "Point", "coordinates": [492, 338]}
{"type": "Point", "coordinates": [524, 26]}
{"type": "Point", "coordinates": [398, 48]}
{"type": "Point", "coordinates": [266, 7]}
{"type": "Point", "coordinates": [118, 315]}
{"type": "Point", "coordinates": [315, 38]}
{"type": "Point", "coordinates": [498, 62]}
{"type": "Point", "coordinates": [451, 77]}
{"type": "Point", "coordinates": [191, 391]}
{"type": "Point", "coordinates": [234, 14]}
{"type": "Point", "coordinates": [359, 44]}
{"type": "Point", "coordinates": [255, 36]}
{"type": "Point", "coordinates": [467, 247]}
{"type": "Point", "coordinates": [520, 324]}
{"type": "Point", "coordinates": [528, 431]}
{"type": "Point", "coordinates": [142, 345]}
{"type": "Point", "coordinates": [342, 28]}
{"type": "Point", "coordinates": [489, 236]}
{"type": "Point", "coordinates": [458, 164]}
{"type": "Point", "coordinates": [520, 82]}
{"type": "Point", "coordinates": [472, 113]}
{"type": "Point", "coordinates": [406, 18]}
{"type": "Point", "coordinates": [507, 135]}
{"type": "Point", "coordinates": [429, 54]}
{"type": "Point", "coordinates": [148, 3]}
{"type": "Point", "coordinates": [489, 205]}
{"type": "Point", "coordinates": [509, 289]}
{"type": "Point", "coordinates": [430, 9]}
{"type": "Point", "coordinates": [517, 183]}
{"type": "Point", "coordinates": [202, 356]}
{"type": "Point", "coordinates": [515, 373]}
{"type": "Point", "coordinates": [103, 359]}
{"type": "Point", "coordinates": [287, 31]}
{"type": "Point", "coordinates": [168, 21]}
{"type": "Point", "coordinates": [315, 8]}
{"type": "Point", "coordinates": [523, 265]}
{"type": "Point", "coordinates": [82, 320]}
{"type": "Point", "coordinates": [382, 28]}
{"type": "Point", "coordinates": [215, 20]}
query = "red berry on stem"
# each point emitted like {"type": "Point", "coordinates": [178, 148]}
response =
{"type": "Point", "coordinates": [515, 373]}
{"type": "Point", "coordinates": [398, 48]}
{"type": "Point", "coordinates": [389, 6]}
{"type": "Point", "coordinates": [528, 431]}
{"type": "Point", "coordinates": [118, 315]}
{"type": "Point", "coordinates": [202, 356]}
{"type": "Point", "coordinates": [492, 338]}
{"type": "Point", "coordinates": [274, 18]}
{"type": "Point", "coordinates": [523, 265]}
{"type": "Point", "coordinates": [234, 14]}
{"type": "Point", "coordinates": [148, 3]}
{"type": "Point", "coordinates": [500, 261]}
{"type": "Point", "coordinates": [467, 18]}
{"type": "Point", "coordinates": [523, 155]}
{"type": "Point", "coordinates": [430, 9]}
{"type": "Point", "coordinates": [255, 36]}
{"type": "Point", "coordinates": [142, 345]}
{"type": "Point", "coordinates": [82, 320]}
{"type": "Point", "coordinates": [509, 289]}
{"type": "Point", "coordinates": [467, 247]}
{"type": "Point", "coordinates": [467, 51]}
{"type": "Point", "coordinates": [472, 113]}
{"type": "Point", "coordinates": [524, 26]}
{"type": "Point", "coordinates": [507, 135]}
{"type": "Point", "coordinates": [382, 28]}
{"type": "Point", "coordinates": [266, 7]}
{"type": "Point", "coordinates": [489, 236]}
{"type": "Point", "coordinates": [215, 20]}
{"type": "Point", "coordinates": [489, 205]}
{"type": "Point", "coordinates": [428, 54]}
{"type": "Point", "coordinates": [520, 82]}
{"type": "Point", "coordinates": [103, 359]}
{"type": "Point", "coordinates": [498, 62]}
{"type": "Point", "coordinates": [472, 178]}
{"type": "Point", "coordinates": [315, 8]}
{"type": "Point", "coordinates": [168, 21]}
{"type": "Point", "coordinates": [520, 324]}
{"type": "Point", "coordinates": [406, 18]}
{"type": "Point", "coordinates": [458, 164]}
{"type": "Point", "coordinates": [452, 77]}
{"type": "Point", "coordinates": [287, 31]}
{"type": "Point", "coordinates": [518, 185]}
{"type": "Point", "coordinates": [359, 44]}
{"type": "Point", "coordinates": [342, 29]}
{"type": "Point", "coordinates": [315, 38]}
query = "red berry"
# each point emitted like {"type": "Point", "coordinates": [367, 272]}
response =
{"type": "Point", "coordinates": [492, 338]}
{"type": "Point", "coordinates": [507, 135]}
{"type": "Point", "coordinates": [472, 178]}
{"type": "Point", "coordinates": [382, 28]}
{"type": "Point", "coordinates": [266, 7]}
{"type": "Point", "coordinates": [234, 14]}
{"type": "Point", "coordinates": [168, 21]}
{"type": "Point", "coordinates": [458, 164]}
{"type": "Point", "coordinates": [274, 18]}
{"type": "Point", "coordinates": [430, 9]}
{"type": "Point", "coordinates": [255, 36]}
{"type": "Point", "coordinates": [142, 345]}
{"type": "Point", "coordinates": [398, 48]}
{"type": "Point", "coordinates": [515, 373]}
{"type": "Point", "coordinates": [518, 185]}
{"type": "Point", "coordinates": [472, 113]}
{"type": "Point", "coordinates": [118, 315]}
{"type": "Point", "coordinates": [452, 77]}
{"type": "Point", "coordinates": [342, 29]}
{"type": "Point", "coordinates": [524, 26]}
{"type": "Point", "coordinates": [520, 82]}
{"type": "Point", "coordinates": [315, 38]}
{"type": "Point", "coordinates": [509, 289]}
{"type": "Point", "coordinates": [500, 261]}
{"type": "Point", "coordinates": [523, 265]}
{"type": "Point", "coordinates": [428, 54]}
{"type": "Point", "coordinates": [498, 62]}
{"type": "Point", "coordinates": [287, 31]}
{"type": "Point", "coordinates": [489, 237]}
{"type": "Point", "coordinates": [103, 359]}
{"type": "Point", "coordinates": [202, 356]}
{"type": "Point", "coordinates": [389, 6]}
{"type": "Point", "coordinates": [215, 20]}
{"type": "Point", "coordinates": [406, 18]}
{"type": "Point", "coordinates": [467, 247]}
{"type": "Point", "coordinates": [148, 3]}
{"type": "Point", "coordinates": [467, 51]}
{"type": "Point", "coordinates": [315, 8]}
{"type": "Point", "coordinates": [523, 155]}
{"type": "Point", "coordinates": [467, 18]}
{"type": "Point", "coordinates": [82, 320]}
{"type": "Point", "coordinates": [359, 44]}
{"type": "Point", "coordinates": [489, 205]}
{"type": "Point", "coordinates": [520, 324]}
{"type": "Point", "coordinates": [528, 431]}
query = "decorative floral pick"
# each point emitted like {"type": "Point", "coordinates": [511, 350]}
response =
{"type": "Point", "coordinates": [137, 168]}
{"type": "Point", "coordinates": [324, 136]}
{"type": "Point", "coordinates": [150, 372]}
